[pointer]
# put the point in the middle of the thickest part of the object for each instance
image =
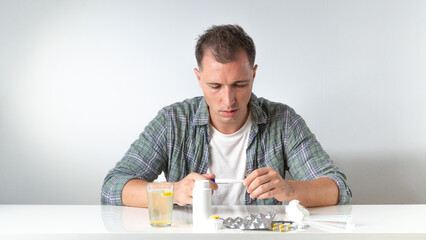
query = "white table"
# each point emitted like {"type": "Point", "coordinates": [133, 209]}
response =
{"type": "Point", "coordinates": [112, 222]}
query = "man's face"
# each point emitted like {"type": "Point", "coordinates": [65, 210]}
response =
{"type": "Point", "coordinates": [227, 90]}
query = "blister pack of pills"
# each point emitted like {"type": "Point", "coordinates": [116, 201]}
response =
{"type": "Point", "coordinates": [251, 222]}
{"type": "Point", "coordinates": [283, 226]}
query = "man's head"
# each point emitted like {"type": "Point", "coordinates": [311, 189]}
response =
{"type": "Point", "coordinates": [224, 42]}
{"type": "Point", "coordinates": [225, 56]}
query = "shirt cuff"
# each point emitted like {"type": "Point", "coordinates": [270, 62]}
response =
{"type": "Point", "coordinates": [112, 191]}
{"type": "Point", "coordinates": [345, 194]}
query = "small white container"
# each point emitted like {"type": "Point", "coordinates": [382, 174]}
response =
{"type": "Point", "coordinates": [201, 203]}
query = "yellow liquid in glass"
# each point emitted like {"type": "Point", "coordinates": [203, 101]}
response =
{"type": "Point", "coordinates": [160, 205]}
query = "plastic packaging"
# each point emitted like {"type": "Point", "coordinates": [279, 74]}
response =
{"type": "Point", "coordinates": [201, 203]}
{"type": "Point", "coordinates": [251, 222]}
{"type": "Point", "coordinates": [261, 221]}
{"type": "Point", "coordinates": [215, 223]}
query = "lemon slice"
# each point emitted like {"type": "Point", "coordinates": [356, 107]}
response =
{"type": "Point", "coordinates": [167, 194]}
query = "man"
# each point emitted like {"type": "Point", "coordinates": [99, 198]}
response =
{"type": "Point", "coordinates": [228, 133]}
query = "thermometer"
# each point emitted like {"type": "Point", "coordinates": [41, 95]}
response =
{"type": "Point", "coordinates": [226, 181]}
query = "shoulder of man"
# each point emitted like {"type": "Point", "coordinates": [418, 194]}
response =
{"type": "Point", "coordinates": [271, 109]}
{"type": "Point", "coordinates": [193, 111]}
{"type": "Point", "coordinates": [186, 106]}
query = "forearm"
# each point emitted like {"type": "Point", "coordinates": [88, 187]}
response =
{"type": "Point", "coordinates": [314, 193]}
{"type": "Point", "coordinates": [134, 193]}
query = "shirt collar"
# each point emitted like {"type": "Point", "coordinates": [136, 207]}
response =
{"type": "Point", "coordinates": [258, 115]}
{"type": "Point", "coordinates": [202, 115]}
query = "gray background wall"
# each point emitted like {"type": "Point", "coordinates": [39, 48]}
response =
{"type": "Point", "coordinates": [79, 80]}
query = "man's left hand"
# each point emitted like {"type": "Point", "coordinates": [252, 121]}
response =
{"type": "Point", "coordinates": [265, 183]}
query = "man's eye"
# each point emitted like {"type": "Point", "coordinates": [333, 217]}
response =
{"type": "Point", "coordinates": [240, 85]}
{"type": "Point", "coordinates": [215, 86]}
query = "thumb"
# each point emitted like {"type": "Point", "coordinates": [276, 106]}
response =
{"type": "Point", "coordinates": [213, 185]}
{"type": "Point", "coordinates": [209, 175]}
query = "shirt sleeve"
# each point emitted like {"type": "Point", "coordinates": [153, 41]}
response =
{"type": "Point", "coordinates": [145, 160]}
{"type": "Point", "coordinates": [307, 160]}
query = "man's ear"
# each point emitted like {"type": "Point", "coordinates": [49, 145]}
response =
{"type": "Point", "coordinates": [197, 73]}
{"type": "Point", "coordinates": [254, 71]}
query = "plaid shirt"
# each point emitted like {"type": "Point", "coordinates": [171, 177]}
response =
{"type": "Point", "coordinates": [176, 142]}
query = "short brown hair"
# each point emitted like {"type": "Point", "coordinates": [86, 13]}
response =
{"type": "Point", "coordinates": [225, 42]}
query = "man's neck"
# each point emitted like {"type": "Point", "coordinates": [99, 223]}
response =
{"type": "Point", "coordinates": [230, 128]}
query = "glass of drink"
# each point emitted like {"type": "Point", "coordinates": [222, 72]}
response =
{"type": "Point", "coordinates": [160, 203]}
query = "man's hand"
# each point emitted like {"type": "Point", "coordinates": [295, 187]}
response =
{"type": "Point", "coordinates": [266, 183]}
{"type": "Point", "coordinates": [183, 188]}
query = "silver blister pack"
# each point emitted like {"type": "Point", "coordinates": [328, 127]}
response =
{"type": "Point", "coordinates": [251, 222]}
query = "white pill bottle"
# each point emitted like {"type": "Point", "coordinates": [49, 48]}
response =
{"type": "Point", "coordinates": [201, 203]}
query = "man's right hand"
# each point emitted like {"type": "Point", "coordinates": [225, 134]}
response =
{"type": "Point", "coordinates": [183, 188]}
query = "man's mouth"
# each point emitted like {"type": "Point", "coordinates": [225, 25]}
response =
{"type": "Point", "coordinates": [229, 113]}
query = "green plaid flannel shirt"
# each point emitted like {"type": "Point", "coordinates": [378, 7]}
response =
{"type": "Point", "coordinates": [176, 142]}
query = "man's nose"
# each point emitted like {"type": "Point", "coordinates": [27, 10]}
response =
{"type": "Point", "coordinates": [229, 97]}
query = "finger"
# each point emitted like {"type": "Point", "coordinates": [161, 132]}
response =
{"type": "Point", "coordinates": [187, 199]}
{"type": "Point", "coordinates": [213, 185]}
{"type": "Point", "coordinates": [258, 182]}
{"type": "Point", "coordinates": [196, 176]}
{"type": "Point", "coordinates": [209, 175]}
{"type": "Point", "coordinates": [205, 176]}
{"type": "Point", "coordinates": [268, 194]}
{"type": "Point", "coordinates": [185, 202]}
{"type": "Point", "coordinates": [262, 189]}
{"type": "Point", "coordinates": [253, 175]}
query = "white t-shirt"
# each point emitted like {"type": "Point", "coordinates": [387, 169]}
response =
{"type": "Point", "coordinates": [228, 160]}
